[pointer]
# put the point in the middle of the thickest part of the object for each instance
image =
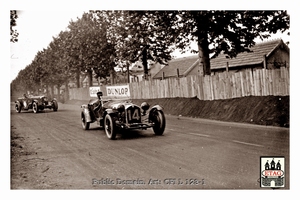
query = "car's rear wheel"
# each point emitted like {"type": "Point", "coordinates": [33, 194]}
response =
{"type": "Point", "coordinates": [18, 107]}
{"type": "Point", "coordinates": [159, 120]}
{"type": "Point", "coordinates": [110, 127]}
{"type": "Point", "coordinates": [35, 107]}
{"type": "Point", "coordinates": [84, 123]}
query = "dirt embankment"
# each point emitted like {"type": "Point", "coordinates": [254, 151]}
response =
{"type": "Point", "coordinates": [268, 110]}
{"type": "Point", "coordinates": [265, 110]}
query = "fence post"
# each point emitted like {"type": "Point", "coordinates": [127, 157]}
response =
{"type": "Point", "coordinates": [265, 62]}
{"type": "Point", "coordinates": [227, 66]}
{"type": "Point", "coordinates": [264, 89]}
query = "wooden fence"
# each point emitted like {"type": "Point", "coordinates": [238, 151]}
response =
{"type": "Point", "coordinates": [226, 85]}
{"type": "Point", "coordinates": [79, 93]}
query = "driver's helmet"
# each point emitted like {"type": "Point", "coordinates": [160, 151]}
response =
{"type": "Point", "coordinates": [99, 94]}
{"type": "Point", "coordinates": [25, 95]}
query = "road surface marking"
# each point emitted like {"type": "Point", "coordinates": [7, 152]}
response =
{"type": "Point", "coordinates": [198, 134]}
{"type": "Point", "coordinates": [236, 141]}
{"type": "Point", "coordinates": [246, 143]}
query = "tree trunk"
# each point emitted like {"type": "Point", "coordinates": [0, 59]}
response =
{"type": "Point", "coordinates": [203, 55]}
{"type": "Point", "coordinates": [66, 94]}
{"type": "Point", "coordinates": [128, 76]}
{"type": "Point", "coordinates": [78, 78]}
{"type": "Point", "coordinates": [112, 76]}
{"type": "Point", "coordinates": [145, 64]}
{"type": "Point", "coordinates": [90, 77]}
{"type": "Point", "coordinates": [58, 92]}
{"type": "Point", "coordinates": [52, 91]}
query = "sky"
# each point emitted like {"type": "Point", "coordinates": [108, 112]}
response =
{"type": "Point", "coordinates": [37, 28]}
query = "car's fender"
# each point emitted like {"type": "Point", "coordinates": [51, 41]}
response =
{"type": "Point", "coordinates": [52, 101]}
{"type": "Point", "coordinates": [110, 112]}
{"type": "Point", "coordinates": [18, 102]}
{"type": "Point", "coordinates": [156, 107]}
{"type": "Point", "coordinates": [153, 109]}
{"type": "Point", "coordinates": [85, 111]}
{"type": "Point", "coordinates": [36, 101]}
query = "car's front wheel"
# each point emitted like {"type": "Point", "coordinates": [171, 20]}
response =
{"type": "Point", "coordinates": [84, 123]}
{"type": "Point", "coordinates": [18, 107]}
{"type": "Point", "coordinates": [35, 107]}
{"type": "Point", "coordinates": [159, 122]}
{"type": "Point", "coordinates": [54, 105]}
{"type": "Point", "coordinates": [110, 127]}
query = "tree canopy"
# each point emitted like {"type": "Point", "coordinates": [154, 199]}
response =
{"type": "Point", "coordinates": [231, 32]}
{"type": "Point", "coordinates": [13, 22]}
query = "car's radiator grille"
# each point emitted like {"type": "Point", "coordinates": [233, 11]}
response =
{"type": "Point", "coordinates": [133, 114]}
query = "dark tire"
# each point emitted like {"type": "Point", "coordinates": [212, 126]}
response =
{"type": "Point", "coordinates": [159, 120]}
{"type": "Point", "coordinates": [84, 123]}
{"type": "Point", "coordinates": [54, 106]}
{"type": "Point", "coordinates": [110, 127]}
{"type": "Point", "coordinates": [35, 107]}
{"type": "Point", "coordinates": [18, 107]}
{"type": "Point", "coordinates": [101, 123]}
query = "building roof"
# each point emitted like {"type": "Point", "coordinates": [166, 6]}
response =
{"type": "Point", "coordinates": [256, 56]}
{"type": "Point", "coordinates": [183, 64]}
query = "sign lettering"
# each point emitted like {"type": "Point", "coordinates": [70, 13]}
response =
{"type": "Point", "coordinates": [94, 90]}
{"type": "Point", "coordinates": [118, 91]}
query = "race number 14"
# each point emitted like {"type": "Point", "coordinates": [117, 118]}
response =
{"type": "Point", "coordinates": [135, 115]}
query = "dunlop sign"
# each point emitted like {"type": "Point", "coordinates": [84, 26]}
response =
{"type": "Point", "coordinates": [94, 90]}
{"type": "Point", "coordinates": [118, 91]}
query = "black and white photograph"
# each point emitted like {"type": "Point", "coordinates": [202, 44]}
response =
{"type": "Point", "coordinates": [137, 99]}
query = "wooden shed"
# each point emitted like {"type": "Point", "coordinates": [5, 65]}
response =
{"type": "Point", "coordinates": [270, 54]}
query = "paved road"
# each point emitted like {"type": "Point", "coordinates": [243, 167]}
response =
{"type": "Point", "coordinates": [192, 154]}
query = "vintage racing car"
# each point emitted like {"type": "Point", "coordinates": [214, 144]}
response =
{"type": "Point", "coordinates": [35, 103]}
{"type": "Point", "coordinates": [117, 115]}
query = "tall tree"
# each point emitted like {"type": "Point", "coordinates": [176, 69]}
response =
{"type": "Point", "coordinates": [106, 21]}
{"type": "Point", "coordinates": [89, 48]}
{"type": "Point", "coordinates": [73, 47]}
{"type": "Point", "coordinates": [137, 38]}
{"type": "Point", "coordinates": [232, 32]}
{"type": "Point", "coordinates": [56, 63]}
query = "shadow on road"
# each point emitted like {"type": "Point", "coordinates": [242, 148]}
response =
{"type": "Point", "coordinates": [124, 134]}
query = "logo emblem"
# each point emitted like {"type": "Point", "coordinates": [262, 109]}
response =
{"type": "Point", "coordinates": [272, 172]}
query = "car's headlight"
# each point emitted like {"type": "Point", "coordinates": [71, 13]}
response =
{"type": "Point", "coordinates": [145, 106]}
{"type": "Point", "coordinates": [121, 108]}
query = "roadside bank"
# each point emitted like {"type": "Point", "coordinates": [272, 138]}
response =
{"type": "Point", "coordinates": [260, 110]}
